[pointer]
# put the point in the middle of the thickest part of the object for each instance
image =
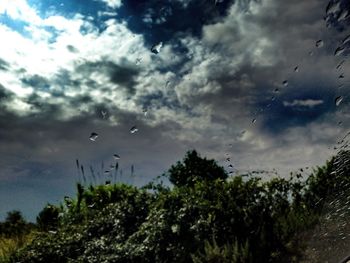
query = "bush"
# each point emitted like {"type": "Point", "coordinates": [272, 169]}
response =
{"type": "Point", "coordinates": [246, 220]}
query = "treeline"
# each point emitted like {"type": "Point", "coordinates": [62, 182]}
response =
{"type": "Point", "coordinates": [15, 225]}
{"type": "Point", "coordinates": [205, 216]}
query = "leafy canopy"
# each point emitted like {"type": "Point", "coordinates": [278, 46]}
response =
{"type": "Point", "coordinates": [194, 168]}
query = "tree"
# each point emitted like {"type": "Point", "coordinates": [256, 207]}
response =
{"type": "Point", "coordinates": [48, 218]}
{"type": "Point", "coordinates": [194, 168]}
{"type": "Point", "coordinates": [14, 224]}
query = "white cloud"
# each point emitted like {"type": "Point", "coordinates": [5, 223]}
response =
{"type": "Point", "coordinates": [19, 10]}
{"type": "Point", "coordinates": [303, 103]}
{"type": "Point", "coordinates": [113, 3]}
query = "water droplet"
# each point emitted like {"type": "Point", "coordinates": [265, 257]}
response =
{"type": "Point", "coordinates": [273, 98]}
{"type": "Point", "coordinates": [319, 43]}
{"type": "Point", "coordinates": [93, 136]}
{"type": "Point", "coordinates": [296, 69]}
{"type": "Point", "coordinates": [145, 111]}
{"type": "Point", "coordinates": [106, 172]}
{"type": "Point", "coordinates": [228, 159]}
{"type": "Point", "coordinates": [344, 14]}
{"type": "Point", "coordinates": [116, 156]}
{"type": "Point", "coordinates": [254, 121]}
{"type": "Point", "coordinates": [311, 53]}
{"type": "Point", "coordinates": [285, 83]}
{"type": "Point", "coordinates": [108, 182]}
{"type": "Point", "coordinates": [156, 48]}
{"type": "Point", "coordinates": [338, 100]}
{"type": "Point", "coordinates": [340, 64]}
{"type": "Point", "coordinates": [277, 90]}
{"type": "Point", "coordinates": [339, 51]}
{"type": "Point", "coordinates": [341, 76]}
{"type": "Point", "coordinates": [133, 129]}
{"type": "Point", "coordinates": [340, 123]}
{"type": "Point", "coordinates": [230, 166]}
{"type": "Point", "coordinates": [332, 7]}
{"type": "Point", "coordinates": [346, 39]}
{"type": "Point", "coordinates": [138, 61]}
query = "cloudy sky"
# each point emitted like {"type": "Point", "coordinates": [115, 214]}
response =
{"type": "Point", "coordinates": [255, 82]}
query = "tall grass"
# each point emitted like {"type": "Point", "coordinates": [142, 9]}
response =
{"type": "Point", "coordinates": [10, 245]}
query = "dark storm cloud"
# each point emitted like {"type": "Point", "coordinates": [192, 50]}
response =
{"type": "Point", "coordinates": [121, 74]}
{"type": "Point", "coordinates": [5, 94]}
{"type": "Point", "coordinates": [36, 81]}
{"type": "Point", "coordinates": [64, 78]}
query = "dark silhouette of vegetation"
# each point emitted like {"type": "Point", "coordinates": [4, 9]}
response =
{"type": "Point", "coordinates": [14, 225]}
{"type": "Point", "coordinates": [193, 168]}
{"type": "Point", "coordinates": [48, 218]}
{"type": "Point", "coordinates": [205, 217]}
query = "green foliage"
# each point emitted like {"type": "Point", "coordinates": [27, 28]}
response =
{"type": "Point", "coordinates": [194, 168]}
{"type": "Point", "coordinates": [247, 220]}
{"type": "Point", "coordinates": [229, 253]}
{"type": "Point", "coordinates": [15, 233]}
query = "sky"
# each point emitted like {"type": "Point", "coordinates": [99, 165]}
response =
{"type": "Point", "coordinates": [258, 85]}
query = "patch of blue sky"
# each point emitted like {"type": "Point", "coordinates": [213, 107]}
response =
{"type": "Point", "coordinates": [15, 25]}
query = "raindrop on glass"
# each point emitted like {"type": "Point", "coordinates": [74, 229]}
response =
{"type": "Point", "coordinates": [296, 69]}
{"type": "Point", "coordinates": [104, 114]}
{"type": "Point", "coordinates": [285, 83]}
{"type": "Point", "coordinates": [319, 43]}
{"type": "Point", "coordinates": [156, 48]}
{"type": "Point", "coordinates": [116, 156]}
{"type": "Point", "coordinates": [277, 90]}
{"type": "Point", "coordinates": [340, 64]}
{"type": "Point", "coordinates": [93, 136]}
{"type": "Point", "coordinates": [145, 111]}
{"type": "Point", "coordinates": [138, 61]}
{"type": "Point", "coordinates": [347, 39]}
{"type": "Point", "coordinates": [343, 15]}
{"type": "Point", "coordinates": [341, 76]}
{"type": "Point", "coordinates": [339, 51]}
{"type": "Point", "coordinates": [338, 100]}
{"type": "Point", "coordinates": [332, 7]}
{"type": "Point", "coordinates": [253, 120]}
{"type": "Point", "coordinates": [133, 129]}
